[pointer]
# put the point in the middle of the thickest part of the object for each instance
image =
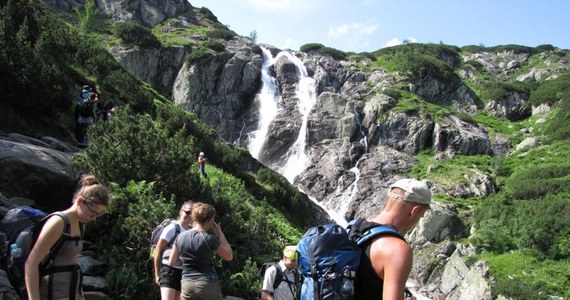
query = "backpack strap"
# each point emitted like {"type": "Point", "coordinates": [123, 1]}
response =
{"type": "Point", "coordinates": [362, 231]}
{"type": "Point", "coordinates": [278, 275]}
{"type": "Point", "coordinates": [60, 241]}
{"type": "Point", "coordinates": [176, 233]}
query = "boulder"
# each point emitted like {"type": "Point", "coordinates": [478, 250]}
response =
{"type": "Point", "coordinates": [34, 171]}
{"type": "Point", "coordinates": [460, 137]}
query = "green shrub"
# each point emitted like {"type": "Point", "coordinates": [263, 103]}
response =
{"type": "Point", "coordinates": [311, 48]}
{"type": "Point", "coordinates": [476, 64]}
{"type": "Point", "coordinates": [334, 53]}
{"type": "Point", "coordinates": [208, 14]}
{"type": "Point", "coordinates": [135, 34]}
{"type": "Point", "coordinates": [545, 47]}
{"type": "Point", "coordinates": [505, 225]}
{"type": "Point", "coordinates": [502, 90]}
{"type": "Point", "coordinates": [394, 93]}
{"type": "Point", "coordinates": [517, 49]}
{"type": "Point", "coordinates": [121, 238]}
{"type": "Point", "coordinates": [559, 127]}
{"type": "Point", "coordinates": [527, 274]}
{"type": "Point", "coordinates": [474, 49]}
{"type": "Point", "coordinates": [221, 33]}
{"type": "Point", "coordinates": [215, 45]}
{"type": "Point", "coordinates": [551, 91]}
{"type": "Point", "coordinates": [199, 54]}
{"type": "Point", "coordinates": [133, 147]}
{"type": "Point", "coordinates": [536, 181]}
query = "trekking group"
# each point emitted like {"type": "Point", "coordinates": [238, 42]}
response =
{"type": "Point", "coordinates": [87, 111]}
{"type": "Point", "coordinates": [369, 259]}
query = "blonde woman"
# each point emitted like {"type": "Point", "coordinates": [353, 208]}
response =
{"type": "Point", "coordinates": [195, 249]}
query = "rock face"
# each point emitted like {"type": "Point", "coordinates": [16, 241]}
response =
{"type": "Point", "coordinates": [221, 88]}
{"type": "Point", "coordinates": [32, 168]}
{"type": "Point", "coordinates": [145, 12]}
{"type": "Point", "coordinates": [159, 67]}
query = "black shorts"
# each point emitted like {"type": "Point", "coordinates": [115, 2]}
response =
{"type": "Point", "coordinates": [170, 277]}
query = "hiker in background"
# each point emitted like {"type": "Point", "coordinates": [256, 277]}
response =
{"type": "Point", "coordinates": [202, 163]}
{"type": "Point", "coordinates": [63, 278]}
{"type": "Point", "coordinates": [87, 116]}
{"type": "Point", "coordinates": [386, 261]}
{"type": "Point", "coordinates": [166, 276]}
{"type": "Point", "coordinates": [195, 248]}
{"type": "Point", "coordinates": [287, 287]}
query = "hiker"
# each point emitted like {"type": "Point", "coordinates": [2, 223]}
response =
{"type": "Point", "coordinates": [63, 278]}
{"type": "Point", "coordinates": [195, 249]}
{"type": "Point", "coordinates": [386, 260]}
{"type": "Point", "coordinates": [166, 276]}
{"type": "Point", "coordinates": [202, 163]}
{"type": "Point", "coordinates": [287, 288]}
{"type": "Point", "coordinates": [87, 116]}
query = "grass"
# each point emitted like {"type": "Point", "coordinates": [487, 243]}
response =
{"type": "Point", "coordinates": [524, 274]}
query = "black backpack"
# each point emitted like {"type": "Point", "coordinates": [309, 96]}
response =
{"type": "Point", "coordinates": [278, 276]}
{"type": "Point", "coordinates": [86, 109]}
{"type": "Point", "coordinates": [155, 236]}
{"type": "Point", "coordinates": [22, 226]}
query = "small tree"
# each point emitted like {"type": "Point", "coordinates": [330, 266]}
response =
{"type": "Point", "coordinates": [85, 16]}
{"type": "Point", "coordinates": [253, 36]}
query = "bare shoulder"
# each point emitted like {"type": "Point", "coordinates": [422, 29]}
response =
{"type": "Point", "coordinates": [390, 250]}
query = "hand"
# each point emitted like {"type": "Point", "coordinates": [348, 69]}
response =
{"type": "Point", "coordinates": [216, 227]}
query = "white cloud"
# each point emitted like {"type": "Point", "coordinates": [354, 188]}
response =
{"type": "Point", "coordinates": [290, 43]}
{"type": "Point", "coordinates": [354, 29]}
{"type": "Point", "coordinates": [396, 42]}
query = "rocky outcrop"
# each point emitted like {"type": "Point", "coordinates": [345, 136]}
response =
{"type": "Point", "coordinates": [332, 116]}
{"type": "Point", "coordinates": [502, 64]}
{"type": "Point", "coordinates": [145, 12]}
{"type": "Point", "coordinates": [514, 108]}
{"type": "Point", "coordinates": [221, 88]}
{"type": "Point", "coordinates": [32, 168]}
{"type": "Point", "coordinates": [408, 132]}
{"type": "Point", "coordinates": [337, 181]}
{"type": "Point", "coordinates": [158, 67]}
{"type": "Point", "coordinates": [455, 136]}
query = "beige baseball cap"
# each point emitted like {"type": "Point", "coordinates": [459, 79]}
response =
{"type": "Point", "coordinates": [415, 191]}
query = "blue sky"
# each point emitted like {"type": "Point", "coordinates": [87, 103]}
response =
{"type": "Point", "coordinates": [368, 25]}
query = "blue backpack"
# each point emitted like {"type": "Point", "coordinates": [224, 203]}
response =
{"type": "Point", "coordinates": [21, 228]}
{"type": "Point", "coordinates": [329, 256]}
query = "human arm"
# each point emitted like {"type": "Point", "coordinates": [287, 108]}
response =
{"type": "Point", "coordinates": [392, 261]}
{"type": "Point", "coordinates": [265, 295]}
{"type": "Point", "coordinates": [50, 233]}
{"type": "Point", "coordinates": [224, 251]}
{"type": "Point", "coordinates": [174, 256]}
{"type": "Point", "coordinates": [267, 284]}
{"type": "Point", "coordinates": [158, 257]}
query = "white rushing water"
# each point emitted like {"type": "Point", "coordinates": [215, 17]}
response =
{"type": "Point", "coordinates": [269, 98]}
{"type": "Point", "coordinates": [346, 195]}
{"type": "Point", "coordinates": [296, 159]}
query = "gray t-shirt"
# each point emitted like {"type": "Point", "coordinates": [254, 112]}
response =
{"type": "Point", "coordinates": [197, 249]}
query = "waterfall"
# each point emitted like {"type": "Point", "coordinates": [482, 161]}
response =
{"type": "Point", "coordinates": [344, 197]}
{"type": "Point", "coordinates": [361, 129]}
{"type": "Point", "coordinates": [269, 98]}
{"type": "Point", "coordinates": [296, 159]}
